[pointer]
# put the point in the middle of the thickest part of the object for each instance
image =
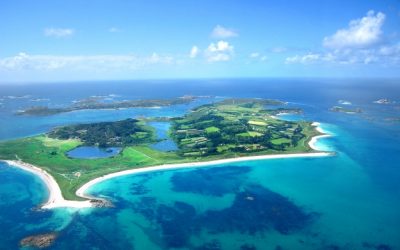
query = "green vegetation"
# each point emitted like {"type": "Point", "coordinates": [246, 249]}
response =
{"type": "Point", "coordinates": [227, 129]}
{"type": "Point", "coordinates": [107, 134]}
{"type": "Point", "coordinates": [238, 126]}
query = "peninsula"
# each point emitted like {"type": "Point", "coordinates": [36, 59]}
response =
{"type": "Point", "coordinates": [227, 131]}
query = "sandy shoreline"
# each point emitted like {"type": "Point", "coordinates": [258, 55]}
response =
{"type": "Point", "coordinates": [57, 200]}
{"type": "Point", "coordinates": [55, 196]}
{"type": "Point", "coordinates": [313, 141]}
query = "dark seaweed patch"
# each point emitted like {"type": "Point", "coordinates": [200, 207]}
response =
{"type": "Point", "coordinates": [87, 232]}
{"type": "Point", "coordinates": [254, 210]}
{"type": "Point", "coordinates": [247, 247]}
{"type": "Point", "coordinates": [212, 245]}
{"type": "Point", "coordinates": [176, 223]}
{"type": "Point", "coordinates": [138, 189]}
{"type": "Point", "coordinates": [369, 245]}
{"type": "Point", "coordinates": [210, 181]}
{"type": "Point", "coordinates": [147, 207]}
{"type": "Point", "coordinates": [257, 209]}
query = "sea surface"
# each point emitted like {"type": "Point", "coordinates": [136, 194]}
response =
{"type": "Point", "coordinates": [347, 201]}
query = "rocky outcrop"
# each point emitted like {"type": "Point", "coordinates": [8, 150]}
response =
{"type": "Point", "coordinates": [99, 203]}
{"type": "Point", "coordinates": [38, 241]}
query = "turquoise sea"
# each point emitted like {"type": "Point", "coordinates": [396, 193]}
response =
{"type": "Point", "coordinates": [347, 201]}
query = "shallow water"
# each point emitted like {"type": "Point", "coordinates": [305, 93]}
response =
{"type": "Point", "coordinates": [165, 143]}
{"type": "Point", "coordinates": [91, 152]}
{"type": "Point", "coordinates": [349, 201]}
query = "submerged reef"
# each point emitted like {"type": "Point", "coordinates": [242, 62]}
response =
{"type": "Point", "coordinates": [258, 209]}
{"type": "Point", "coordinates": [211, 181]}
{"type": "Point", "coordinates": [255, 209]}
{"type": "Point", "coordinates": [39, 241]}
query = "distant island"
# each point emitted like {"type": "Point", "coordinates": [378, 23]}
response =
{"type": "Point", "coordinates": [96, 102]}
{"type": "Point", "coordinates": [344, 102]}
{"type": "Point", "coordinates": [346, 110]}
{"type": "Point", "coordinates": [383, 101]}
{"type": "Point", "coordinates": [225, 131]}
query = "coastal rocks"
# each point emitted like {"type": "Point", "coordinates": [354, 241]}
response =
{"type": "Point", "coordinates": [39, 241]}
{"type": "Point", "coordinates": [101, 203]}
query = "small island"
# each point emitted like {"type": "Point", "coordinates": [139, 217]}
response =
{"type": "Point", "coordinates": [382, 101]}
{"type": "Point", "coordinates": [226, 131]}
{"type": "Point", "coordinates": [340, 109]}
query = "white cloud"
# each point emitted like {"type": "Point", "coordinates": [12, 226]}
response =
{"type": "Point", "coordinates": [360, 33]}
{"type": "Point", "coordinates": [222, 32]}
{"type": "Point", "coordinates": [58, 32]}
{"type": "Point", "coordinates": [278, 49]}
{"type": "Point", "coordinates": [358, 44]}
{"type": "Point", "coordinates": [384, 55]}
{"type": "Point", "coordinates": [221, 51]}
{"type": "Point", "coordinates": [254, 55]}
{"type": "Point", "coordinates": [194, 52]}
{"type": "Point", "coordinates": [114, 30]}
{"type": "Point", "coordinates": [220, 46]}
{"type": "Point", "coordinates": [308, 58]}
{"type": "Point", "coordinates": [258, 56]}
{"type": "Point", "coordinates": [95, 63]}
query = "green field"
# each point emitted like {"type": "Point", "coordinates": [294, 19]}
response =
{"type": "Point", "coordinates": [209, 132]}
{"type": "Point", "coordinates": [280, 141]}
{"type": "Point", "coordinates": [250, 134]}
{"type": "Point", "coordinates": [258, 123]}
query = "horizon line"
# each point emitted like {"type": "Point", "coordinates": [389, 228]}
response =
{"type": "Point", "coordinates": [204, 78]}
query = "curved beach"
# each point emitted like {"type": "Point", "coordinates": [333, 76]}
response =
{"type": "Point", "coordinates": [313, 141]}
{"type": "Point", "coordinates": [56, 199]}
{"type": "Point", "coordinates": [55, 196]}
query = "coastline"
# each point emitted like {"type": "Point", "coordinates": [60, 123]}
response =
{"type": "Point", "coordinates": [314, 139]}
{"type": "Point", "coordinates": [56, 199]}
{"type": "Point", "coordinates": [55, 196]}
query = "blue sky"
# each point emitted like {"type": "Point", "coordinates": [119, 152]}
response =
{"type": "Point", "coordinates": [52, 40]}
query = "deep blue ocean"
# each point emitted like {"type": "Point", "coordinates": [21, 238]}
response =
{"type": "Point", "coordinates": [348, 201]}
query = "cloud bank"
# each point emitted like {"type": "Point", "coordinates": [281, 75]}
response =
{"type": "Point", "coordinates": [361, 33]}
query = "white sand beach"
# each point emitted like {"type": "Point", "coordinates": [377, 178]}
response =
{"type": "Point", "coordinates": [56, 199]}
{"type": "Point", "coordinates": [314, 140]}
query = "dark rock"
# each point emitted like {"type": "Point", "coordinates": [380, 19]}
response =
{"type": "Point", "coordinates": [39, 241]}
{"type": "Point", "coordinates": [100, 203]}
